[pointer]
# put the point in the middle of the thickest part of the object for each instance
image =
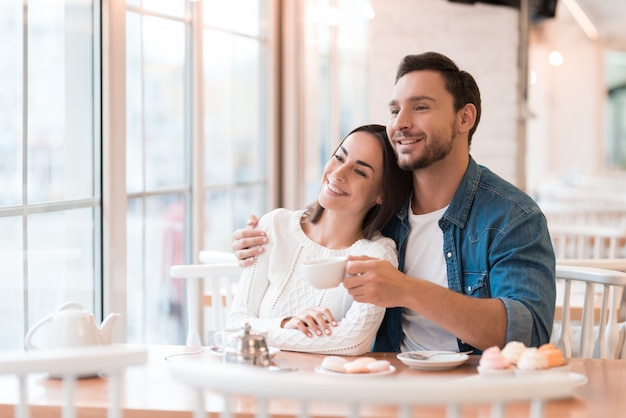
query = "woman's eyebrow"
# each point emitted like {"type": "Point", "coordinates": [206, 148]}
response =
{"type": "Point", "coordinates": [360, 162]}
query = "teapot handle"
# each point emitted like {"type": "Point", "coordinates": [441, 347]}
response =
{"type": "Point", "coordinates": [29, 335]}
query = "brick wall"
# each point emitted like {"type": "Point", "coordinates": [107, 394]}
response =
{"type": "Point", "coordinates": [481, 38]}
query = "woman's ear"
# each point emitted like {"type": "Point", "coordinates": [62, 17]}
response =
{"type": "Point", "coordinates": [379, 200]}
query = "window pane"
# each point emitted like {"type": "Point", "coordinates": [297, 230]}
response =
{"type": "Point", "coordinates": [164, 102]}
{"type": "Point", "coordinates": [241, 16]}
{"type": "Point", "coordinates": [11, 103]}
{"type": "Point", "coordinates": [61, 261]}
{"type": "Point", "coordinates": [246, 96]}
{"type": "Point", "coordinates": [218, 108]}
{"type": "Point", "coordinates": [233, 118]}
{"type": "Point", "coordinates": [156, 301]}
{"type": "Point", "coordinates": [49, 86]}
{"type": "Point", "coordinates": [135, 271]}
{"type": "Point", "coordinates": [226, 209]}
{"type": "Point", "coordinates": [11, 283]}
{"type": "Point", "coordinates": [60, 101]}
{"type": "Point", "coordinates": [134, 105]}
{"type": "Point", "coordinates": [169, 7]}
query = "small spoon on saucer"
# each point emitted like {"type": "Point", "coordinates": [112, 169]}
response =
{"type": "Point", "coordinates": [420, 356]}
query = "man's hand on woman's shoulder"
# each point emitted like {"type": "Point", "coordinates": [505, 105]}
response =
{"type": "Point", "coordinates": [248, 242]}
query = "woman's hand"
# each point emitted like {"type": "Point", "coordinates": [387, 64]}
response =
{"type": "Point", "coordinates": [312, 321]}
{"type": "Point", "coordinates": [248, 242]}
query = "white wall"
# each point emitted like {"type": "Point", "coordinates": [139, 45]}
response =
{"type": "Point", "coordinates": [566, 134]}
{"type": "Point", "coordinates": [482, 39]}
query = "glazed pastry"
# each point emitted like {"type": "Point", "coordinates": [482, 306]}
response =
{"type": "Point", "coordinates": [334, 363]}
{"type": "Point", "coordinates": [359, 365]}
{"type": "Point", "coordinates": [493, 361]}
{"type": "Point", "coordinates": [378, 366]}
{"type": "Point", "coordinates": [532, 359]}
{"type": "Point", "coordinates": [553, 354]}
{"type": "Point", "coordinates": [513, 350]}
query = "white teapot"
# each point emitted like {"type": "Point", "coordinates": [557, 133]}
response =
{"type": "Point", "coordinates": [70, 326]}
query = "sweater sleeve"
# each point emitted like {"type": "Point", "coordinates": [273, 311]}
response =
{"type": "Point", "coordinates": [264, 298]}
{"type": "Point", "coordinates": [252, 288]}
{"type": "Point", "coordinates": [356, 331]}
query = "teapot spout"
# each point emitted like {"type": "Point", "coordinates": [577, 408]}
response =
{"type": "Point", "coordinates": [106, 328]}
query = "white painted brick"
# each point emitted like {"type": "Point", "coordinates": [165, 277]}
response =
{"type": "Point", "coordinates": [482, 39]}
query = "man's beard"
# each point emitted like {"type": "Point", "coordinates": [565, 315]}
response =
{"type": "Point", "coordinates": [433, 151]}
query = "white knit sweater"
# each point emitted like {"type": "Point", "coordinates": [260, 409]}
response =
{"type": "Point", "coordinates": [273, 288]}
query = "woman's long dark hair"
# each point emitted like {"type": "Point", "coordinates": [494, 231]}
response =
{"type": "Point", "coordinates": [396, 186]}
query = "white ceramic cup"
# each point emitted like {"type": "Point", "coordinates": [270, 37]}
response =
{"type": "Point", "coordinates": [325, 273]}
{"type": "Point", "coordinates": [221, 338]}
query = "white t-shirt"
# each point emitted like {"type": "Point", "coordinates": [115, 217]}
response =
{"type": "Point", "coordinates": [425, 260]}
{"type": "Point", "coordinates": [274, 288]}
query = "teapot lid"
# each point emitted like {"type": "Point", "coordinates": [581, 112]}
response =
{"type": "Point", "coordinates": [246, 333]}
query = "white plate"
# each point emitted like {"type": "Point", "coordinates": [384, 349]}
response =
{"type": "Point", "coordinates": [559, 369]}
{"type": "Point", "coordinates": [576, 378]}
{"type": "Point", "coordinates": [213, 349]}
{"type": "Point", "coordinates": [321, 370]}
{"type": "Point", "coordinates": [446, 361]}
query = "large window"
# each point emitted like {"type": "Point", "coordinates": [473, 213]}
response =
{"type": "Point", "coordinates": [335, 74]}
{"type": "Point", "coordinates": [199, 102]}
{"type": "Point", "coordinates": [187, 140]}
{"type": "Point", "coordinates": [50, 213]}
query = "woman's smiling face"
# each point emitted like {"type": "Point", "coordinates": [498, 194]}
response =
{"type": "Point", "coordinates": [352, 179]}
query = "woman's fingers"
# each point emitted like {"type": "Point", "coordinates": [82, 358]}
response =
{"type": "Point", "coordinates": [314, 321]}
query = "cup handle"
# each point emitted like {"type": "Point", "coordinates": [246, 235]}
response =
{"type": "Point", "coordinates": [218, 338]}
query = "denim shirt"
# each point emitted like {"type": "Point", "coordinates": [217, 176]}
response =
{"type": "Point", "coordinates": [496, 245]}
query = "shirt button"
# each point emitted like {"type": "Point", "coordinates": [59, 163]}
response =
{"type": "Point", "coordinates": [469, 288]}
{"type": "Point", "coordinates": [449, 254]}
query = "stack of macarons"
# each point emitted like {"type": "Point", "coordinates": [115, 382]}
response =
{"type": "Point", "coordinates": [516, 356]}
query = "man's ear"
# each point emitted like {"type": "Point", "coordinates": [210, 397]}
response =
{"type": "Point", "coordinates": [467, 117]}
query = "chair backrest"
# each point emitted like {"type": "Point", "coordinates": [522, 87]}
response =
{"type": "Point", "coordinates": [598, 334]}
{"type": "Point", "coordinates": [68, 365]}
{"type": "Point", "coordinates": [587, 241]}
{"type": "Point", "coordinates": [211, 286]}
{"type": "Point", "coordinates": [261, 393]}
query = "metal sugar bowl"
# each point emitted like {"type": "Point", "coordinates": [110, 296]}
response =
{"type": "Point", "coordinates": [247, 348]}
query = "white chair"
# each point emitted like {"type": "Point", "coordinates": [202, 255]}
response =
{"type": "Point", "coordinates": [598, 332]}
{"type": "Point", "coordinates": [68, 365]}
{"type": "Point", "coordinates": [573, 241]}
{"type": "Point", "coordinates": [216, 281]}
{"type": "Point", "coordinates": [261, 393]}
{"type": "Point", "coordinates": [618, 264]}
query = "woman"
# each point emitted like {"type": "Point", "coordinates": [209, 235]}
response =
{"type": "Point", "coordinates": [362, 187]}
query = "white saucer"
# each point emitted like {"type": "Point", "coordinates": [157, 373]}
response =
{"type": "Point", "coordinates": [439, 362]}
{"type": "Point", "coordinates": [321, 370]}
{"type": "Point", "coordinates": [213, 349]}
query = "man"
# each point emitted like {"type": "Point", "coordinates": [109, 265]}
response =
{"type": "Point", "coordinates": [476, 264]}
